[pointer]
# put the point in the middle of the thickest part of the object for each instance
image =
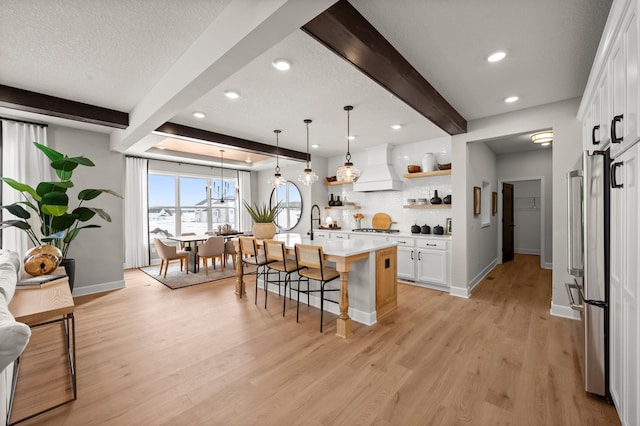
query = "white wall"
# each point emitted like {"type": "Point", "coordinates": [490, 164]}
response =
{"type": "Point", "coordinates": [517, 166]}
{"type": "Point", "coordinates": [527, 217]}
{"type": "Point", "coordinates": [99, 253]}
{"type": "Point", "coordinates": [561, 117]}
{"type": "Point", "coordinates": [481, 239]}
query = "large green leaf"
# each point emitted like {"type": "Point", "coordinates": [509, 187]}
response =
{"type": "Point", "coordinates": [15, 223]}
{"type": "Point", "coordinates": [90, 194]}
{"type": "Point", "coordinates": [17, 210]}
{"type": "Point", "coordinates": [45, 187]}
{"type": "Point", "coordinates": [22, 187]}
{"type": "Point", "coordinates": [52, 154]}
{"type": "Point", "coordinates": [84, 213]}
{"type": "Point", "coordinates": [102, 214]}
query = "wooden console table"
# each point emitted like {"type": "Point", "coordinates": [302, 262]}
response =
{"type": "Point", "coordinates": [37, 307]}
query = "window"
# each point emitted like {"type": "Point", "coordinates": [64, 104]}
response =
{"type": "Point", "coordinates": [180, 204]}
{"type": "Point", "coordinates": [289, 197]}
{"type": "Point", "coordinates": [485, 205]}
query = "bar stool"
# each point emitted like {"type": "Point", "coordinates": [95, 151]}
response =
{"type": "Point", "coordinates": [250, 255]}
{"type": "Point", "coordinates": [277, 253]}
{"type": "Point", "coordinates": [311, 261]}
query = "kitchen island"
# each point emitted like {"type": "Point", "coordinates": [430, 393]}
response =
{"type": "Point", "coordinates": [368, 285]}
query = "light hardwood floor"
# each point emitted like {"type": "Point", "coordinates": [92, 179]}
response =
{"type": "Point", "coordinates": [200, 356]}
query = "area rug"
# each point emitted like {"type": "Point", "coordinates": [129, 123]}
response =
{"type": "Point", "coordinates": [179, 279]}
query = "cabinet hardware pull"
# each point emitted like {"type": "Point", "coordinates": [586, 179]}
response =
{"type": "Point", "coordinates": [401, 242]}
{"type": "Point", "coordinates": [614, 181]}
{"type": "Point", "coordinates": [614, 136]}
{"type": "Point", "coordinates": [419, 256]}
{"type": "Point", "coordinates": [432, 245]}
{"type": "Point", "coordinates": [593, 135]}
{"type": "Point", "coordinates": [411, 254]}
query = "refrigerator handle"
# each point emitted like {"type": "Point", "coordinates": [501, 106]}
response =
{"type": "Point", "coordinates": [593, 135]}
{"type": "Point", "coordinates": [614, 181]}
{"type": "Point", "coordinates": [572, 303]}
{"type": "Point", "coordinates": [573, 270]}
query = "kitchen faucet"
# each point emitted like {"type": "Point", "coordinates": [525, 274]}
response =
{"type": "Point", "coordinates": [315, 206]}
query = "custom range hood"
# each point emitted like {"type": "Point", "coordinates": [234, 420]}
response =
{"type": "Point", "coordinates": [378, 175]}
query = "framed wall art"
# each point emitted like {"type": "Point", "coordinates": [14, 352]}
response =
{"type": "Point", "coordinates": [494, 203]}
{"type": "Point", "coordinates": [476, 200]}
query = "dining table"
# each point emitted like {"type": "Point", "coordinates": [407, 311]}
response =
{"type": "Point", "coordinates": [373, 282]}
{"type": "Point", "coordinates": [193, 250]}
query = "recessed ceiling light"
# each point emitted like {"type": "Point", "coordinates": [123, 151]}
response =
{"type": "Point", "coordinates": [231, 94]}
{"type": "Point", "coordinates": [315, 146]}
{"type": "Point", "coordinates": [497, 56]}
{"type": "Point", "coordinates": [199, 114]}
{"type": "Point", "coordinates": [281, 64]}
{"type": "Point", "coordinates": [248, 160]}
{"type": "Point", "coordinates": [161, 147]}
{"type": "Point", "coordinates": [396, 126]}
{"type": "Point", "coordinates": [351, 137]}
{"type": "Point", "coordinates": [511, 99]}
{"type": "Point", "coordinates": [546, 144]}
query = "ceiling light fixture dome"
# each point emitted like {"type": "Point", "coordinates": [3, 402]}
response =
{"type": "Point", "coordinates": [199, 114]}
{"type": "Point", "coordinates": [511, 99]}
{"type": "Point", "coordinates": [276, 180]}
{"type": "Point", "coordinates": [281, 64]}
{"type": "Point", "coordinates": [544, 137]}
{"type": "Point", "coordinates": [308, 176]}
{"type": "Point", "coordinates": [396, 126]}
{"type": "Point", "coordinates": [231, 94]}
{"type": "Point", "coordinates": [497, 56]}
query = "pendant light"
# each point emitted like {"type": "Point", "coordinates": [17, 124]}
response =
{"type": "Point", "coordinates": [308, 177]}
{"type": "Point", "coordinates": [348, 172]}
{"type": "Point", "coordinates": [277, 179]}
{"type": "Point", "coordinates": [222, 190]}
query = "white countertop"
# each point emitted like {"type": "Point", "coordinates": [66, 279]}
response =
{"type": "Point", "coordinates": [342, 248]}
{"type": "Point", "coordinates": [384, 234]}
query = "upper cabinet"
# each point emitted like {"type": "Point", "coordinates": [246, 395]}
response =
{"type": "Point", "coordinates": [611, 102]}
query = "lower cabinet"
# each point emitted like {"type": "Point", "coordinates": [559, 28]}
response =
{"type": "Point", "coordinates": [432, 266]}
{"type": "Point", "coordinates": [423, 261]}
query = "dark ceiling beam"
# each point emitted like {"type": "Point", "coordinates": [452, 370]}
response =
{"type": "Point", "coordinates": [24, 100]}
{"type": "Point", "coordinates": [344, 30]}
{"type": "Point", "coordinates": [178, 130]}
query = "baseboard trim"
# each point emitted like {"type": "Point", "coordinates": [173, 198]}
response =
{"type": "Point", "coordinates": [460, 292]}
{"type": "Point", "coordinates": [563, 312]}
{"type": "Point", "coordinates": [527, 251]}
{"type": "Point", "coordinates": [478, 278]}
{"type": "Point", "coordinates": [98, 288]}
{"type": "Point", "coordinates": [547, 265]}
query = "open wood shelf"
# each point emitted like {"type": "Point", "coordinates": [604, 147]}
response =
{"type": "Point", "coordinates": [337, 183]}
{"type": "Point", "coordinates": [427, 206]}
{"type": "Point", "coordinates": [426, 174]}
{"type": "Point", "coordinates": [341, 207]}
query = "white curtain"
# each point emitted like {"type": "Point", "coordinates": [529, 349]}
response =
{"type": "Point", "coordinates": [244, 189]}
{"type": "Point", "coordinates": [22, 161]}
{"type": "Point", "coordinates": [136, 215]}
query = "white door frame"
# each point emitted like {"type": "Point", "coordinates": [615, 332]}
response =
{"type": "Point", "coordinates": [542, 216]}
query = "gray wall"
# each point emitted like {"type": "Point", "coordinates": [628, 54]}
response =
{"type": "Point", "coordinates": [527, 216]}
{"type": "Point", "coordinates": [523, 165]}
{"type": "Point", "coordinates": [99, 253]}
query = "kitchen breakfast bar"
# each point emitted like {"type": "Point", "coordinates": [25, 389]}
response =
{"type": "Point", "coordinates": [368, 270]}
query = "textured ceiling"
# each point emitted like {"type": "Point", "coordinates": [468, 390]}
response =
{"type": "Point", "coordinates": [112, 54]}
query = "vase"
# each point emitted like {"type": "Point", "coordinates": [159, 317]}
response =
{"type": "Point", "coordinates": [264, 231]}
{"type": "Point", "coordinates": [338, 202]}
{"type": "Point", "coordinates": [358, 223]}
{"type": "Point", "coordinates": [332, 202]}
{"type": "Point", "coordinates": [435, 199]}
{"type": "Point", "coordinates": [70, 267]}
{"type": "Point", "coordinates": [428, 162]}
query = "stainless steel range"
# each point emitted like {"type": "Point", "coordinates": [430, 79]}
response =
{"type": "Point", "coordinates": [376, 230]}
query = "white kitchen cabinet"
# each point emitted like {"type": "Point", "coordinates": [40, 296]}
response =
{"type": "Point", "coordinates": [624, 286]}
{"type": "Point", "coordinates": [325, 235]}
{"type": "Point", "coordinates": [406, 257]}
{"type": "Point", "coordinates": [431, 262]}
{"type": "Point", "coordinates": [339, 236]}
{"type": "Point", "coordinates": [624, 84]}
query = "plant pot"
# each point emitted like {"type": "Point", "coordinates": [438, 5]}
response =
{"type": "Point", "coordinates": [264, 231]}
{"type": "Point", "coordinates": [70, 267]}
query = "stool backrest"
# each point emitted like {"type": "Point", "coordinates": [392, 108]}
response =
{"type": "Point", "coordinates": [275, 250]}
{"type": "Point", "coordinates": [310, 256]}
{"type": "Point", "coordinates": [248, 246]}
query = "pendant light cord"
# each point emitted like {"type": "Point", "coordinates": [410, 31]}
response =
{"type": "Point", "coordinates": [307, 121]}
{"type": "Point", "coordinates": [348, 108]}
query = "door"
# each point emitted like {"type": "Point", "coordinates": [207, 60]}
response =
{"type": "Point", "coordinates": [507, 222]}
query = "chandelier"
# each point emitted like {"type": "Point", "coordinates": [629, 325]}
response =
{"type": "Point", "coordinates": [222, 189]}
{"type": "Point", "coordinates": [307, 177]}
{"type": "Point", "coordinates": [348, 172]}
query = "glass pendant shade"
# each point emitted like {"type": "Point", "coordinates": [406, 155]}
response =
{"type": "Point", "coordinates": [308, 177]}
{"type": "Point", "coordinates": [277, 179]}
{"type": "Point", "coordinates": [348, 172]}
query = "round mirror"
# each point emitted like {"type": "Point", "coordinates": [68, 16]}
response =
{"type": "Point", "coordinates": [289, 197]}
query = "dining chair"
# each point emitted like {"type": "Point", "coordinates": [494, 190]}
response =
{"type": "Point", "coordinates": [281, 263]}
{"type": "Point", "coordinates": [250, 255]}
{"type": "Point", "coordinates": [230, 250]}
{"type": "Point", "coordinates": [310, 259]}
{"type": "Point", "coordinates": [186, 234]}
{"type": "Point", "coordinates": [212, 248]}
{"type": "Point", "coordinates": [168, 253]}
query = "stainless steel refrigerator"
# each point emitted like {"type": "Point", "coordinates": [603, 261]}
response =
{"type": "Point", "coordinates": [588, 262]}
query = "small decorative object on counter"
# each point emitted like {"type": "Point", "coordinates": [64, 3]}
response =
{"type": "Point", "coordinates": [414, 168]}
{"type": "Point", "coordinates": [447, 199]}
{"type": "Point", "coordinates": [338, 202]}
{"type": "Point", "coordinates": [438, 230]}
{"type": "Point", "coordinates": [358, 217]}
{"type": "Point", "coordinates": [435, 199]}
{"type": "Point", "coordinates": [428, 162]}
{"type": "Point", "coordinates": [42, 260]}
{"type": "Point", "coordinates": [426, 229]}
{"type": "Point", "coordinates": [332, 201]}
{"type": "Point", "coordinates": [415, 228]}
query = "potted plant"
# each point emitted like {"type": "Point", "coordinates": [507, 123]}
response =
{"type": "Point", "coordinates": [50, 203]}
{"type": "Point", "coordinates": [263, 216]}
